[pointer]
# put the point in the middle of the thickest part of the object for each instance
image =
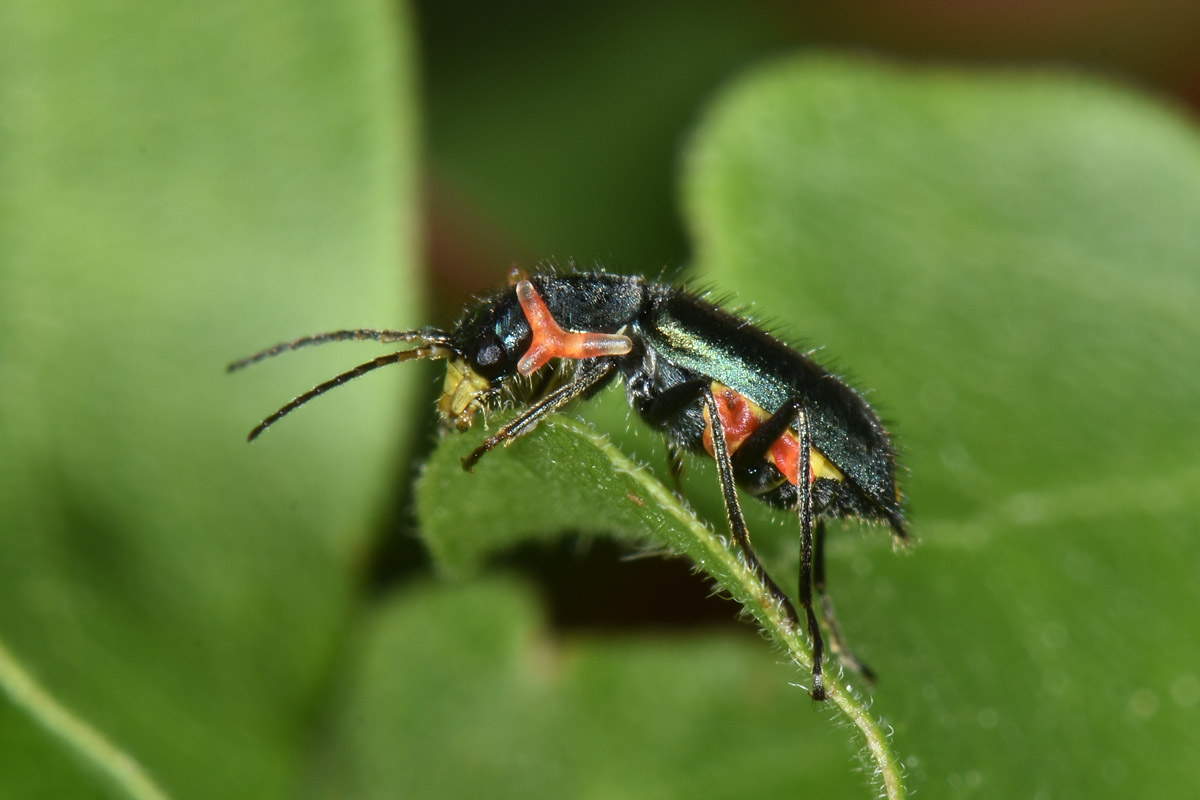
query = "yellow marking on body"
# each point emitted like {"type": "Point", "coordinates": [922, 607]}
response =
{"type": "Point", "coordinates": [822, 467]}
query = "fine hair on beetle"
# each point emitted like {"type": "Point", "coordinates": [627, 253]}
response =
{"type": "Point", "coordinates": [780, 427]}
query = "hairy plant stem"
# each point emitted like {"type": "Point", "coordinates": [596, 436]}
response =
{"type": "Point", "coordinates": [709, 552]}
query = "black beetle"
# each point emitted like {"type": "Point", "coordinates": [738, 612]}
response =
{"type": "Point", "coordinates": [710, 380]}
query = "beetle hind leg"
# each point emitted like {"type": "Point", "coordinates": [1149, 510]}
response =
{"type": "Point", "coordinates": [806, 556]}
{"type": "Point", "coordinates": [837, 640]}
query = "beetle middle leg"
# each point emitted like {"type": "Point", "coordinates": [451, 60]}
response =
{"type": "Point", "coordinates": [737, 521]}
{"type": "Point", "coordinates": [752, 452]}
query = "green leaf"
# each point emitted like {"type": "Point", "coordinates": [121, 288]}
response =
{"type": "Point", "coordinates": [179, 186]}
{"type": "Point", "coordinates": [1009, 263]}
{"type": "Point", "coordinates": [1005, 263]}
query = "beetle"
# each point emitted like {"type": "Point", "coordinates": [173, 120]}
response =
{"type": "Point", "coordinates": [780, 427]}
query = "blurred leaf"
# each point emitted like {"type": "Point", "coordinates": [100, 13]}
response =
{"type": "Point", "coordinates": [494, 708]}
{"type": "Point", "coordinates": [178, 186]}
{"type": "Point", "coordinates": [570, 143]}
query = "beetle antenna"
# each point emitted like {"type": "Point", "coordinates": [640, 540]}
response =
{"type": "Point", "coordinates": [426, 336]}
{"type": "Point", "coordinates": [432, 351]}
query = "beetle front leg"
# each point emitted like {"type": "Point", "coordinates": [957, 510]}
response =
{"type": "Point", "coordinates": [587, 380]}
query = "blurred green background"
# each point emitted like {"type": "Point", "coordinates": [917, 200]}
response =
{"type": "Point", "coordinates": [984, 216]}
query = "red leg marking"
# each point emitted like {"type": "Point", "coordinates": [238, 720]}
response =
{"type": "Point", "coordinates": [551, 341]}
{"type": "Point", "coordinates": [785, 453]}
{"type": "Point", "coordinates": [737, 419]}
{"type": "Point", "coordinates": [740, 418]}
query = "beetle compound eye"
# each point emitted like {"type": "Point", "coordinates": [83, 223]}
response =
{"type": "Point", "coordinates": [489, 359]}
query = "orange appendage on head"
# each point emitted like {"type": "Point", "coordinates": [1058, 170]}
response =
{"type": "Point", "coordinates": [551, 341]}
{"type": "Point", "coordinates": [741, 417]}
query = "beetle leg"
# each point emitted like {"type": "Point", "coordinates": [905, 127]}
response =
{"type": "Point", "coordinates": [837, 641]}
{"type": "Point", "coordinates": [806, 554]}
{"type": "Point", "coordinates": [754, 450]}
{"type": "Point", "coordinates": [733, 510]}
{"type": "Point", "coordinates": [586, 379]}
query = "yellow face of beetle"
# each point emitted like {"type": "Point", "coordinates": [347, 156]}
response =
{"type": "Point", "coordinates": [462, 394]}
